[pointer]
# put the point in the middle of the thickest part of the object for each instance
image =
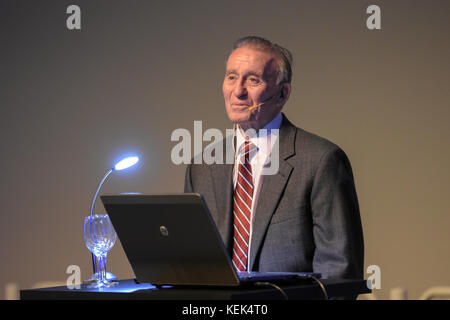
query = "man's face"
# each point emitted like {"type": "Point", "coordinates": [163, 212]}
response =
{"type": "Point", "coordinates": [251, 79]}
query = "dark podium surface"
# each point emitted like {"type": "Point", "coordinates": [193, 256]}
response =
{"type": "Point", "coordinates": [129, 290]}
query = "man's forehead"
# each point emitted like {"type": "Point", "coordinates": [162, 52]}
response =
{"type": "Point", "coordinates": [258, 60]}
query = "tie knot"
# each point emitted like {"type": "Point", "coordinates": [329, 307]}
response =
{"type": "Point", "coordinates": [248, 150]}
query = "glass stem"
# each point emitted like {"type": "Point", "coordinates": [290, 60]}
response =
{"type": "Point", "coordinates": [95, 261]}
{"type": "Point", "coordinates": [101, 268]}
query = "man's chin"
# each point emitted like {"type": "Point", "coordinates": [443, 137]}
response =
{"type": "Point", "coordinates": [241, 118]}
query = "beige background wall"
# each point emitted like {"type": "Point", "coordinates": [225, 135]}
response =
{"type": "Point", "coordinates": [72, 102]}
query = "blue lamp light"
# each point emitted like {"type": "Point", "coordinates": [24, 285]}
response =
{"type": "Point", "coordinates": [121, 165]}
{"type": "Point", "coordinates": [126, 163]}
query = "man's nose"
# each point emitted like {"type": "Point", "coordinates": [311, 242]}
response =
{"type": "Point", "coordinates": [240, 90]}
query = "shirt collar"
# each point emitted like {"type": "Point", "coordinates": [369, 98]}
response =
{"type": "Point", "coordinates": [257, 140]}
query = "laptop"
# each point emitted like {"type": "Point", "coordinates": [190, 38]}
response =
{"type": "Point", "coordinates": [171, 239]}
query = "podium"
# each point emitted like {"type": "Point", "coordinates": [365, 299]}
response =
{"type": "Point", "coordinates": [130, 290]}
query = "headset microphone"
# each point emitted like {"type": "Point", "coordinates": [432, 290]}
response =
{"type": "Point", "coordinates": [260, 104]}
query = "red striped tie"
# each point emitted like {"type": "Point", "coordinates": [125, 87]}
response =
{"type": "Point", "coordinates": [242, 205]}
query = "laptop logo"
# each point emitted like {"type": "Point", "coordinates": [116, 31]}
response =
{"type": "Point", "coordinates": [164, 231]}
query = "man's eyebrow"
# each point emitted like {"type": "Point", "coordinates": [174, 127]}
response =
{"type": "Point", "coordinates": [231, 71]}
{"type": "Point", "coordinates": [250, 73]}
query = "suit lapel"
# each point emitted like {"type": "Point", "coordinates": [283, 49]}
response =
{"type": "Point", "coordinates": [223, 185]}
{"type": "Point", "coordinates": [222, 176]}
{"type": "Point", "coordinates": [272, 188]}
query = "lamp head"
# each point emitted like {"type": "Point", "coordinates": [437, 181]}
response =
{"type": "Point", "coordinates": [126, 163]}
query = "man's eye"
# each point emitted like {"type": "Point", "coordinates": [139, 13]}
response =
{"type": "Point", "coordinates": [253, 81]}
{"type": "Point", "coordinates": [231, 77]}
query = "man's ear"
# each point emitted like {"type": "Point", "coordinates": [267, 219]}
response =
{"type": "Point", "coordinates": [285, 92]}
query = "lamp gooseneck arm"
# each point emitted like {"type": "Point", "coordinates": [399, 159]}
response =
{"type": "Point", "coordinates": [98, 190]}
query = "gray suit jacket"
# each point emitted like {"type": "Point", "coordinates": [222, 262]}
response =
{"type": "Point", "coordinates": [307, 217]}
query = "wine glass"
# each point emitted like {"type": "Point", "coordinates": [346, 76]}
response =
{"type": "Point", "coordinates": [99, 237]}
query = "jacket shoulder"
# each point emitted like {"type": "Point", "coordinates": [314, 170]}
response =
{"type": "Point", "coordinates": [314, 146]}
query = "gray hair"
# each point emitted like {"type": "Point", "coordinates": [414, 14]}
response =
{"type": "Point", "coordinates": [284, 55]}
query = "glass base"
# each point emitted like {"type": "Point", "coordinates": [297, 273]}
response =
{"type": "Point", "coordinates": [101, 284]}
{"type": "Point", "coordinates": [94, 281]}
{"type": "Point", "coordinates": [109, 277]}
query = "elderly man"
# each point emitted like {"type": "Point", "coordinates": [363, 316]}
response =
{"type": "Point", "coordinates": [305, 217]}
